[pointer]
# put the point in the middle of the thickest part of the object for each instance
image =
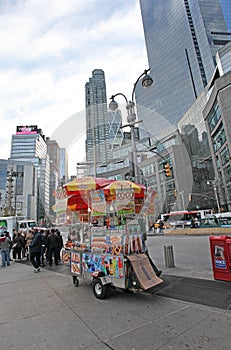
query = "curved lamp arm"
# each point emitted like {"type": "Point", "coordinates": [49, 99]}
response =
{"type": "Point", "coordinates": [119, 93]}
{"type": "Point", "coordinates": [141, 75]}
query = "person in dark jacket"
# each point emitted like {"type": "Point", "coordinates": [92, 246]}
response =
{"type": "Point", "coordinates": [35, 248]}
{"type": "Point", "coordinates": [60, 245]}
{"type": "Point", "coordinates": [19, 243]}
{"type": "Point", "coordinates": [52, 246]}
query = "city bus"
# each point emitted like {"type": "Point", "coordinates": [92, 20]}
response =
{"type": "Point", "coordinates": [183, 218]}
{"type": "Point", "coordinates": [224, 219]}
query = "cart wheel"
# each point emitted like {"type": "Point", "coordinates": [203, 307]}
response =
{"type": "Point", "coordinates": [100, 290]}
{"type": "Point", "coordinates": [75, 281]}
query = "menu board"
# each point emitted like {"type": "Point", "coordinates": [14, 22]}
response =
{"type": "Point", "coordinates": [76, 262]}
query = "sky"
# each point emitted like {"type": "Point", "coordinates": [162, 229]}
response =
{"type": "Point", "coordinates": [49, 49]}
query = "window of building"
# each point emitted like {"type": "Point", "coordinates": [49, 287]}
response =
{"type": "Point", "coordinates": [219, 138]}
{"type": "Point", "coordinates": [227, 173]}
{"type": "Point", "coordinates": [214, 116]}
{"type": "Point", "coordinates": [225, 156]}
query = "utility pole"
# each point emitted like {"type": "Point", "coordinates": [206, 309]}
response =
{"type": "Point", "coordinates": [8, 208]}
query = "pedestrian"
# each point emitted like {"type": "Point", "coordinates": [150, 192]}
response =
{"type": "Point", "coordinates": [18, 244]}
{"type": "Point", "coordinates": [192, 223]}
{"type": "Point", "coordinates": [29, 238]}
{"type": "Point", "coordinates": [5, 249]}
{"type": "Point", "coordinates": [161, 226]}
{"type": "Point", "coordinates": [43, 250]}
{"type": "Point", "coordinates": [35, 248]}
{"type": "Point", "coordinates": [196, 222]}
{"type": "Point", "coordinates": [47, 232]}
{"type": "Point", "coordinates": [7, 234]}
{"type": "Point", "coordinates": [52, 245]}
{"type": "Point", "coordinates": [145, 250]}
{"type": "Point", "coordinates": [60, 244]}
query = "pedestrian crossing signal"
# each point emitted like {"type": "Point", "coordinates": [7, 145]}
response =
{"type": "Point", "coordinates": [167, 170]}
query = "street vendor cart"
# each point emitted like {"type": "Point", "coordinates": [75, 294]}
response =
{"type": "Point", "coordinates": [111, 252]}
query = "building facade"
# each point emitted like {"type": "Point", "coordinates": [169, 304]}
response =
{"type": "Point", "coordinates": [29, 144]}
{"type": "Point", "coordinates": [53, 151]}
{"type": "Point", "coordinates": [182, 38]}
{"type": "Point", "coordinates": [115, 131]}
{"type": "Point", "coordinates": [63, 171]}
{"type": "Point", "coordinates": [217, 115]}
{"type": "Point", "coordinates": [97, 128]}
{"type": "Point", "coordinates": [18, 188]}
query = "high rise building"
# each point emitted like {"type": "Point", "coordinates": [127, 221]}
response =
{"type": "Point", "coordinates": [53, 151]}
{"type": "Point", "coordinates": [97, 128]}
{"type": "Point", "coordinates": [28, 144]}
{"type": "Point", "coordinates": [182, 38]}
{"type": "Point", "coordinates": [63, 171]}
{"type": "Point", "coordinates": [115, 132]}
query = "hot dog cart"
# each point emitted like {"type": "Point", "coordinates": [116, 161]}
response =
{"type": "Point", "coordinates": [111, 251]}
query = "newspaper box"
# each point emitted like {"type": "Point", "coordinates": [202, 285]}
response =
{"type": "Point", "coordinates": [220, 248]}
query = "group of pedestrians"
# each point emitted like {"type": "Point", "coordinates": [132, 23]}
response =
{"type": "Point", "coordinates": [38, 245]}
{"type": "Point", "coordinates": [45, 246]}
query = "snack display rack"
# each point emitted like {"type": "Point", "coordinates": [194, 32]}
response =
{"type": "Point", "coordinates": [112, 257]}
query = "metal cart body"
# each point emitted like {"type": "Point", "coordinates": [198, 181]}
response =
{"type": "Point", "coordinates": [109, 262]}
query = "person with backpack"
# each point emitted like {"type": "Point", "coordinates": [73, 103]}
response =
{"type": "Point", "coordinates": [35, 249]}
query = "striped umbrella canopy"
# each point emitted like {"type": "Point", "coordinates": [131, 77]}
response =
{"type": "Point", "coordinates": [122, 185]}
{"type": "Point", "coordinates": [85, 184]}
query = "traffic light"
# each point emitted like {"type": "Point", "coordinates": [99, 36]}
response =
{"type": "Point", "coordinates": [167, 170]}
{"type": "Point", "coordinates": [175, 193]}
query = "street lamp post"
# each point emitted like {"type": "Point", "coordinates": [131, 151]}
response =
{"type": "Point", "coordinates": [214, 182]}
{"type": "Point", "coordinates": [131, 119]}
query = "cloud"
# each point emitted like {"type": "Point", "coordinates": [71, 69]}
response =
{"type": "Point", "coordinates": [49, 50]}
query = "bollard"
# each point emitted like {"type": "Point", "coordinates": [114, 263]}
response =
{"type": "Point", "coordinates": [169, 257]}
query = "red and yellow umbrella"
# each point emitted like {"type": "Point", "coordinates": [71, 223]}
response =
{"type": "Point", "coordinates": [78, 191]}
{"type": "Point", "coordinates": [110, 189]}
{"type": "Point", "coordinates": [86, 184]}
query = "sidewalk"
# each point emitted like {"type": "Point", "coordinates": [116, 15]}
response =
{"type": "Point", "coordinates": [44, 311]}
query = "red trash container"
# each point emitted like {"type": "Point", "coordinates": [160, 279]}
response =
{"type": "Point", "coordinates": [220, 248]}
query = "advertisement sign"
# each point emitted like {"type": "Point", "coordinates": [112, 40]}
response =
{"type": "Point", "coordinates": [66, 257]}
{"type": "Point", "coordinates": [98, 203]}
{"type": "Point", "coordinates": [110, 265]}
{"type": "Point", "coordinates": [26, 130]}
{"type": "Point", "coordinates": [125, 202]}
{"type": "Point", "coordinates": [75, 262]}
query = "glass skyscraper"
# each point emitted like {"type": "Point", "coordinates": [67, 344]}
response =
{"type": "Point", "coordinates": [97, 129]}
{"type": "Point", "coordinates": [182, 38]}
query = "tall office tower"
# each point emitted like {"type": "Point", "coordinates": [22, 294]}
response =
{"type": "Point", "coordinates": [115, 132]}
{"type": "Point", "coordinates": [97, 141]}
{"type": "Point", "coordinates": [63, 171]}
{"type": "Point", "coordinates": [28, 144]}
{"type": "Point", "coordinates": [182, 38]}
{"type": "Point", "coordinates": [53, 151]}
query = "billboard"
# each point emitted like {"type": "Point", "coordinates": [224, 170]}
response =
{"type": "Point", "coordinates": [26, 129]}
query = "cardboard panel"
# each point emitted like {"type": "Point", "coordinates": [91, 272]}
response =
{"type": "Point", "coordinates": [144, 271]}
